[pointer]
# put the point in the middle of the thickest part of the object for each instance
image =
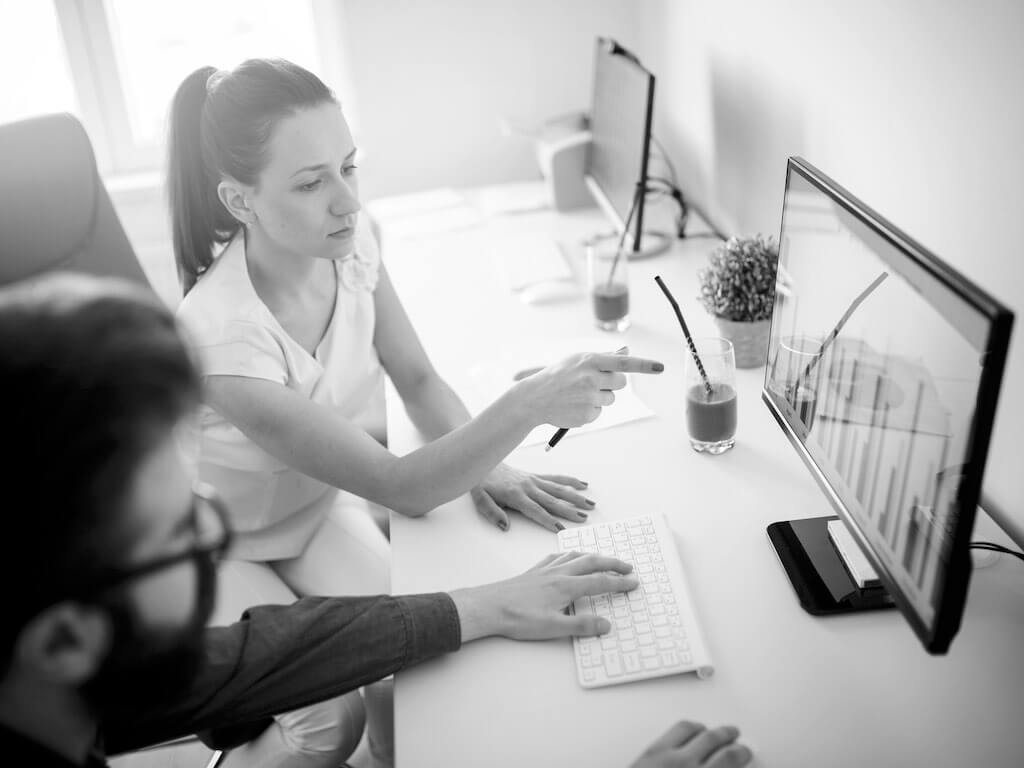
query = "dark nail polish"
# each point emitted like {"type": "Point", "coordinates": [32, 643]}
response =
{"type": "Point", "coordinates": [583, 515]}
{"type": "Point", "coordinates": [658, 367]}
{"type": "Point", "coordinates": [503, 525]}
{"type": "Point", "coordinates": [585, 483]}
{"type": "Point", "coordinates": [591, 502]}
{"type": "Point", "coordinates": [559, 527]}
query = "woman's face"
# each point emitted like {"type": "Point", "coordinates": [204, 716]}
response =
{"type": "Point", "coordinates": [307, 199]}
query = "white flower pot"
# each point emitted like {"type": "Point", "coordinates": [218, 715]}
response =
{"type": "Point", "coordinates": [749, 339]}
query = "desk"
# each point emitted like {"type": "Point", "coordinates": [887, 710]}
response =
{"type": "Point", "coordinates": [853, 690]}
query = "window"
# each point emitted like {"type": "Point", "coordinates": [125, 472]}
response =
{"type": "Point", "coordinates": [34, 45]}
{"type": "Point", "coordinates": [116, 63]}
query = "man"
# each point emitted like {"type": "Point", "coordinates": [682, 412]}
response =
{"type": "Point", "coordinates": [111, 554]}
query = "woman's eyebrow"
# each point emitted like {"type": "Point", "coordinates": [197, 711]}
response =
{"type": "Point", "coordinates": [321, 166]}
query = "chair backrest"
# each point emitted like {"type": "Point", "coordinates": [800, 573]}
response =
{"type": "Point", "coordinates": [55, 212]}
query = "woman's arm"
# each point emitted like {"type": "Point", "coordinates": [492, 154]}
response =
{"type": "Point", "coordinates": [319, 442]}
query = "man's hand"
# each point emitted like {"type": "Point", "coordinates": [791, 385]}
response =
{"type": "Point", "coordinates": [532, 606]}
{"type": "Point", "coordinates": [540, 498]}
{"type": "Point", "coordinates": [691, 745]}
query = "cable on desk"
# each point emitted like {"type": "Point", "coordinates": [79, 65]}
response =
{"type": "Point", "coordinates": [993, 547]}
{"type": "Point", "coordinates": [672, 189]}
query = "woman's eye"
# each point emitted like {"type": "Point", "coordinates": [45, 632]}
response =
{"type": "Point", "coordinates": [310, 186]}
{"type": "Point", "coordinates": [349, 169]}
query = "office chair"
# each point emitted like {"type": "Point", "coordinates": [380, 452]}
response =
{"type": "Point", "coordinates": [55, 214]}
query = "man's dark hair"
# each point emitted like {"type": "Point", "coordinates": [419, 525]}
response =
{"type": "Point", "coordinates": [94, 375]}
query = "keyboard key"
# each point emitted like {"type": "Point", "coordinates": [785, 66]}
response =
{"type": "Point", "coordinates": [612, 666]}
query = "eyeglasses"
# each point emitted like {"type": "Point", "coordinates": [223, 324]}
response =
{"type": "Point", "coordinates": [212, 537]}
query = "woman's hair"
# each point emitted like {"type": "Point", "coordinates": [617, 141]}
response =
{"type": "Point", "coordinates": [221, 122]}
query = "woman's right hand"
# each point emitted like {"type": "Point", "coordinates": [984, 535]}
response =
{"type": "Point", "coordinates": [572, 392]}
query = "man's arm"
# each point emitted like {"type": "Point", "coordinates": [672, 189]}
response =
{"type": "Point", "coordinates": [279, 658]}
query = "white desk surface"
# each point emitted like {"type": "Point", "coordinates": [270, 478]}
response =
{"type": "Point", "coordinates": [855, 690]}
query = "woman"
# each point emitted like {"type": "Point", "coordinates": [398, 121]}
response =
{"type": "Point", "coordinates": [296, 323]}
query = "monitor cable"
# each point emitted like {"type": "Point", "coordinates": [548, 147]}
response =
{"type": "Point", "coordinates": [993, 547]}
{"type": "Point", "coordinates": [665, 188]}
{"type": "Point", "coordinates": [670, 187]}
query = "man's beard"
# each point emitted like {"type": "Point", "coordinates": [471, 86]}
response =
{"type": "Point", "coordinates": [146, 669]}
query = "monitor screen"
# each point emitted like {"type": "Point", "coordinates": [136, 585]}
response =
{"type": "Point", "coordinates": [883, 368]}
{"type": "Point", "coordinates": [620, 126]}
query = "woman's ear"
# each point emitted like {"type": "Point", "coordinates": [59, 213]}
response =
{"type": "Point", "coordinates": [235, 197]}
{"type": "Point", "coordinates": [64, 644]}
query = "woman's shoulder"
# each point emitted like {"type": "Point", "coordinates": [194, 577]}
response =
{"type": "Point", "coordinates": [222, 300]}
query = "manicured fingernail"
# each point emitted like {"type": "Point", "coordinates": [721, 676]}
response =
{"type": "Point", "coordinates": [503, 524]}
{"type": "Point", "coordinates": [584, 483]}
{"type": "Point", "coordinates": [603, 626]}
{"type": "Point", "coordinates": [658, 367]}
{"type": "Point", "coordinates": [590, 502]}
{"type": "Point", "coordinates": [582, 515]}
{"type": "Point", "coordinates": [559, 527]}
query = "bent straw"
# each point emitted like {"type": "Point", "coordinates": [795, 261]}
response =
{"type": "Point", "coordinates": [686, 333]}
{"type": "Point", "coordinates": [835, 331]}
{"type": "Point", "coordinates": [625, 231]}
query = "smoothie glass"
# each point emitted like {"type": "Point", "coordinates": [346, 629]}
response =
{"type": "Point", "coordinates": [608, 287]}
{"type": "Point", "coordinates": [711, 418]}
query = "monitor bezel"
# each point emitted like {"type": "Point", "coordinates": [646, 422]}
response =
{"type": "Point", "coordinates": [606, 46]}
{"type": "Point", "coordinates": [949, 610]}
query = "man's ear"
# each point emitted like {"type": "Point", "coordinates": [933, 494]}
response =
{"type": "Point", "coordinates": [235, 197]}
{"type": "Point", "coordinates": [65, 644]}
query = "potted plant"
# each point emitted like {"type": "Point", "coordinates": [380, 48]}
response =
{"type": "Point", "coordinates": [738, 289]}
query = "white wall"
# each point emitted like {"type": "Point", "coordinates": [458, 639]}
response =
{"type": "Point", "coordinates": [430, 81]}
{"type": "Point", "coordinates": [916, 107]}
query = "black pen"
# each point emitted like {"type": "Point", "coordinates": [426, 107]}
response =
{"type": "Point", "coordinates": [562, 431]}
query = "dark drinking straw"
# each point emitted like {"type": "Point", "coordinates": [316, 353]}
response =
{"type": "Point", "coordinates": [686, 333]}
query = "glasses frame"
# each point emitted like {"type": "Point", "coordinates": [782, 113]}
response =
{"type": "Point", "coordinates": [201, 494]}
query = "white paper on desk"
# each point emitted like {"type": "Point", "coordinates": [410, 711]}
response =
{"type": "Point", "coordinates": [484, 382]}
{"type": "Point", "coordinates": [516, 197]}
{"type": "Point", "coordinates": [399, 206]}
{"type": "Point", "coordinates": [436, 222]}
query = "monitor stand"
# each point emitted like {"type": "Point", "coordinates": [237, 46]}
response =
{"type": "Point", "coordinates": [819, 574]}
{"type": "Point", "coordinates": [651, 244]}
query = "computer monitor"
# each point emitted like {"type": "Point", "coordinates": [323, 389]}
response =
{"type": "Point", "coordinates": [620, 127]}
{"type": "Point", "coordinates": [883, 369]}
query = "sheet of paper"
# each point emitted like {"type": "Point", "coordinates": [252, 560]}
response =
{"type": "Point", "coordinates": [516, 197]}
{"type": "Point", "coordinates": [484, 381]}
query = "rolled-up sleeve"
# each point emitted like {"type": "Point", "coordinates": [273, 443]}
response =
{"type": "Point", "coordinates": [279, 658]}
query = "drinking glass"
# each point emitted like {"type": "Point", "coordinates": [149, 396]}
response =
{"type": "Point", "coordinates": [608, 287]}
{"type": "Point", "coordinates": [711, 415]}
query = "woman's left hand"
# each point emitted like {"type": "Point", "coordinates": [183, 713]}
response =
{"type": "Point", "coordinates": [541, 498]}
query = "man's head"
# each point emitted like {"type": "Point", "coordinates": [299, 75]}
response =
{"type": "Point", "coordinates": [99, 456]}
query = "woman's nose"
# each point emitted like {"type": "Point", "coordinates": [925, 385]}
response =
{"type": "Point", "coordinates": [345, 199]}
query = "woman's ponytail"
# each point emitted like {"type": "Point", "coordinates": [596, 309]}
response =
{"type": "Point", "coordinates": [198, 220]}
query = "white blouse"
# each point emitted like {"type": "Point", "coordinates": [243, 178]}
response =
{"type": "Point", "coordinates": [275, 508]}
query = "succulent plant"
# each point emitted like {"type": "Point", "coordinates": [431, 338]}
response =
{"type": "Point", "coordinates": [739, 282]}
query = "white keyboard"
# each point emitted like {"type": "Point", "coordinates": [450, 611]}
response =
{"type": "Point", "coordinates": [654, 628]}
{"type": "Point", "coordinates": [531, 260]}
